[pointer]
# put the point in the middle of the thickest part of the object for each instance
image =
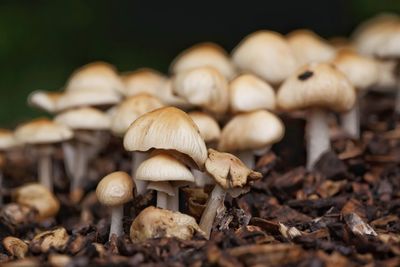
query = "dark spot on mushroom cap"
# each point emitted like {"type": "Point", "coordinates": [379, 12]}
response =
{"type": "Point", "coordinates": [305, 75]}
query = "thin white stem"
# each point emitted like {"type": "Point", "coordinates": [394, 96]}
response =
{"type": "Point", "coordinates": [215, 201]}
{"type": "Point", "coordinates": [202, 178]}
{"type": "Point", "coordinates": [137, 159]}
{"type": "Point", "coordinates": [80, 172]}
{"type": "Point", "coordinates": [69, 158]}
{"type": "Point", "coordinates": [162, 200]}
{"type": "Point", "coordinates": [317, 136]}
{"type": "Point", "coordinates": [173, 201]}
{"type": "Point", "coordinates": [44, 170]}
{"type": "Point", "coordinates": [117, 213]}
{"type": "Point", "coordinates": [351, 122]}
{"type": "Point", "coordinates": [247, 157]}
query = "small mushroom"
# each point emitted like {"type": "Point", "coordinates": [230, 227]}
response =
{"type": "Point", "coordinates": [231, 176]}
{"type": "Point", "coordinates": [56, 239]}
{"type": "Point", "coordinates": [43, 100]}
{"type": "Point", "coordinates": [114, 190]}
{"type": "Point", "coordinates": [15, 247]}
{"type": "Point", "coordinates": [157, 223]}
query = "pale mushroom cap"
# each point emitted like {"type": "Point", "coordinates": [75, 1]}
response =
{"type": "Point", "coordinates": [130, 109]}
{"type": "Point", "coordinates": [39, 197]}
{"type": "Point", "coordinates": [163, 167]}
{"type": "Point", "coordinates": [86, 97]}
{"type": "Point", "coordinates": [167, 128]}
{"type": "Point", "coordinates": [229, 171]}
{"type": "Point", "coordinates": [389, 46]}
{"type": "Point", "coordinates": [204, 87]}
{"type": "Point", "coordinates": [202, 55]}
{"type": "Point", "coordinates": [44, 100]}
{"type": "Point", "coordinates": [7, 139]}
{"type": "Point", "coordinates": [266, 54]}
{"type": "Point", "coordinates": [386, 75]}
{"type": "Point", "coordinates": [208, 126]}
{"type": "Point", "coordinates": [361, 71]}
{"type": "Point", "coordinates": [42, 131]}
{"type": "Point", "coordinates": [162, 186]}
{"type": "Point", "coordinates": [143, 81]}
{"type": "Point", "coordinates": [248, 92]}
{"type": "Point", "coordinates": [115, 189]}
{"type": "Point", "coordinates": [251, 131]}
{"type": "Point", "coordinates": [308, 47]}
{"type": "Point", "coordinates": [96, 76]}
{"type": "Point", "coordinates": [85, 118]}
{"type": "Point", "coordinates": [157, 223]}
{"type": "Point", "coordinates": [317, 85]}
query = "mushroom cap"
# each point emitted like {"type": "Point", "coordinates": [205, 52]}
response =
{"type": "Point", "coordinates": [130, 109]}
{"type": "Point", "coordinates": [85, 97]}
{"type": "Point", "coordinates": [247, 92]}
{"type": "Point", "coordinates": [308, 47]}
{"type": "Point", "coordinates": [7, 139]}
{"type": "Point", "coordinates": [389, 45]}
{"type": "Point", "coordinates": [163, 167]}
{"type": "Point", "coordinates": [266, 54]}
{"type": "Point", "coordinates": [204, 87]}
{"type": "Point", "coordinates": [115, 189]}
{"type": "Point", "coordinates": [85, 118]}
{"type": "Point", "coordinates": [208, 126]}
{"type": "Point", "coordinates": [387, 79]}
{"type": "Point", "coordinates": [167, 128]}
{"type": "Point", "coordinates": [228, 171]}
{"type": "Point", "coordinates": [42, 131]}
{"type": "Point", "coordinates": [317, 85]}
{"type": "Point", "coordinates": [39, 197]}
{"type": "Point", "coordinates": [157, 223]}
{"type": "Point", "coordinates": [162, 186]}
{"type": "Point", "coordinates": [361, 71]}
{"type": "Point", "coordinates": [46, 101]}
{"type": "Point", "coordinates": [143, 80]}
{"type": "Point", "coordinates": [251, 131]}
{"type": "Point", "coordinates": [202, 55]}
{"type": "Point", "coordinates": [96, 76]}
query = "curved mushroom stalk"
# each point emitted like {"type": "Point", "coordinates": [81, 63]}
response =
{"type": "Point", "coordinates": [351, 122]}
{"type": "Point", "coordinates": [318, 136]}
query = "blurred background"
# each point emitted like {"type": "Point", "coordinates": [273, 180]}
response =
{"type": "Point", "coordinates": [42, 42]}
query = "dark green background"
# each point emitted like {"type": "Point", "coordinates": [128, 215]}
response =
{"type": "Point", "coordinates": [41, 42]}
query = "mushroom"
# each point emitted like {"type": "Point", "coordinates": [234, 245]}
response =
{"type": "Point", "coordinates": [317, 87]}
{"type": "Point", "coordinates": [43, 133]}
{"type": "Point", "coordinates": [88, 125]}
{"type": "Point", "coordinates": [114, 190]}
{"type": "Point", "coordinates": [308, 47]}
{"type": "Point", "coordinates": [249, 133]}
{"type": "Point", "coordinates": [231, 176]}
{"type": "Point", "coordinates": [15, 247]}
{"type": "Point", "coordinates": [43, 100]}
{"type": "Point", "coordinates": [266, 54]}
{"type": "Point", "coordinates": [202, 55]}
{"type": "Point", "coordinates": [164, 168]}
{"type": "Point", "coordinates": [39, 197]}
{"type": "Point", "coordinates": [7, 143]}
{"type": "Point", "coordinates": [362, 73]}
{"type": "Point", "coordinates": [157, 223]}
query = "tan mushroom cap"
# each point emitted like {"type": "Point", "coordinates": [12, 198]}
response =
{"type": "Point", "coordinates": [162, 186]}
{"type": "Point", "coordinates": [115, 189]}
{"type": "Point", "coordinates": [44, 100]}
{"type": "Point", "coordinates": [308, 47]}
{"type": "Point", "coordinates": [86, 97]}
{"type": "Point", "coordinates": [7, 139]}
{"type": "Point", "coordinates": [251, 131]}
{"type": "Point", "coordinates": [317, 85]}
{"type": "Point", "coordinates": [130, 109]}
{"type": "Point", "coordinates": [248, 92]}
{"type": "Point", "coordinates": [96, 76]}
{"type": "Point", "coordinates": [85, 118]}
{"type": "Point", "coordinates": [229, 171]}
{"type": "Point", "coordinates": [167, 128]}
{"type": "Point", "coordinates": [266, 54]}
{"type": "Point", "coordinates": [362, 71]}
{"type": "Point", "coordinates": [39, 197]}
{"type": "Point", "coordinates": [204, 87]}
{"type": "Point", "coordinates": [208, 126]}
{"type": "Point", "coordinates": [163, 167]}
{"type": "Point", "coordinates": [157, 223]}
{"type": "Point", "coordinates": [143, 80]}
{"type": "Point", "coordinates": [202, 55]}
{"type": "Point", "coordinates": [42, 131]}
{"type": "Point", "coordinates": [389, 46]}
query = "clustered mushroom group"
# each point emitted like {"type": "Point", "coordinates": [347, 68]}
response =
{"type": "Point", "coordinates": [202, 126]}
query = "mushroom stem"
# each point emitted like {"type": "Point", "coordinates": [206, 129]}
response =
{"type": "Point", "coordinates": [173, 201]}
{"type": "Point", "coordinates": [162, 200]}
{"type": "Point", "coordinates": [69, 158]}
{"type": "Point", "coordinates": [215, 201]}
{"type": "Point", "coordinates": [117, 213]}
{"type": "Point", "coordinates": [317, 136]}
{"type": "Point", "coordinates": [351, 122]}
{"type": "Point", "coordinates": [80, 171]}
{"type": "Point", "coordinates": [247, 157]}
{"type": "Point", "coordinates": [44, 170]}
{"type": "Point", "coordinates": [137, 159]}
{"type": "Point", "coordinates": [202, 178]}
